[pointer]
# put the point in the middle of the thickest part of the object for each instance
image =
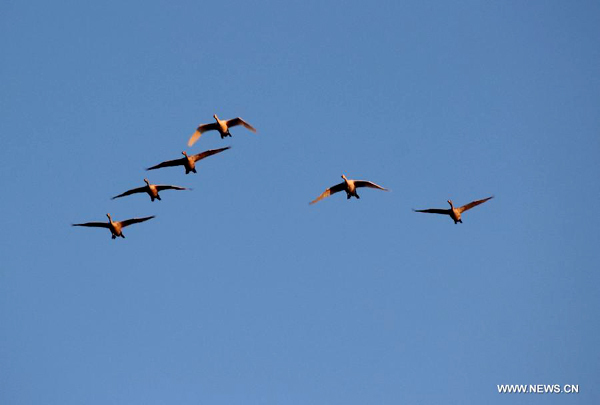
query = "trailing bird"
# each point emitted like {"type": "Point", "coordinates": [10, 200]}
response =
{"type": "Point", "coordinates": [221, 125]}
{"type": "Point", "coordinates": [349, 186]}
{"type": "Point", "coordinates": [455, 213]}
{"type": "Point", "coordinates": [151, 189]}
{"type": "Point", "coordinates": [115, 227]}
{"type": "Point", "coordinates": [189, 162]}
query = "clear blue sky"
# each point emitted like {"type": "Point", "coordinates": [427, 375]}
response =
{"type": "Point", "coordinates": [239, 291]}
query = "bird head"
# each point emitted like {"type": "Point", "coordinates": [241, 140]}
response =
{"type": "Point", "coordinates": [146, 181]}
{"type": "Point", "coordinates": [184, 154]}
{"type": "Point", "coordinates": [108, 215]}
{"type": "Point", "coordinates": [450, 202]}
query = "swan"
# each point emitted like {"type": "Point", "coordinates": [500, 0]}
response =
{"type": "Point", "coordinates": [189, 162]}
{"type": "Point", "coordinates": [151, 189]}
{"type": "Point", "coordinates": [349, 186]}
{"type": "Point", "coordinates": [115, 227]}
{"type": "Point", "coordinates": [455, 213]}
{"type": "Point", "coordinates": [221, 125]}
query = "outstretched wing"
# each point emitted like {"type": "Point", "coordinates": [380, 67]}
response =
{"type": "Point", "coordinates": [473, 204]}
{"type": "Point", "coordinates": [94, 224]}
{"type": "Point", "coordinates": [168, 163]}
{"type": "Point", "coordinates": [200, 130]}
{"type": "Point", "coordinates": [132, 191]}
{"type": "Point", "coordinates": [208, 153]}
{"type": "Point", "coordinates": [238, 121]}
{"type": "Point", "coordinates": [434, 211]}
{"type": "Point", "coordinates": [160, 187]}
{"type": "Point", "coordinates": [131, 221]}
{"type": "Point", "coordinates": [330, 191]}
{"type": "Point", "coordinates": [370, 184]}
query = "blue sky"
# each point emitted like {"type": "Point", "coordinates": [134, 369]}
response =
{"type": "Point", "coordinates": [239, 291]}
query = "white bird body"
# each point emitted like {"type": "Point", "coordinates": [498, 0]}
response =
{"type": "Point", "coordinates": [350, 186]}
{"type": "Point", "coordinates": [152, 191]}
{"type": "Point", "coordinates": [223, 128]}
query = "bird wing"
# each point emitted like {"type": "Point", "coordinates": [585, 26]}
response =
{"type": "Point", "coordinates": [94, 224]}
{"type": "Point", "coordinates": [160, 187]}
{"type": "Point", "coordinates": [434, 211]}
{"type": "Point", "coordinates": [329, 191]}
{"type": "Point", "coordinates": [168, 163]}
{"type": "Point", "coordinates": [473, 204]}
{"type": "Point", "coordinates": [370, 184]}
{"type": "Point", "coordinates": [208, 153]}
{"type": "Point", "coordinates": [132, 191]}
{"type": "Point", "coordinates": [238, 121]}
{"type": "Point", "coordinates": [200, 130]}
{"type": "Point", "coordinates": [128, 222]}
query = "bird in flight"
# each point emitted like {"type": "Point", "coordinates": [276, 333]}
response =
{"type": "Point", "coordinates": [151, 189]}
{"type": "Point", "coordinates": [221, 125]}
{"type": "Point", "coordinates": [189, 162]}
{"type": "Point", "coordinates": [115, 227]}
{"type": "Point", "coordinates": [349, 186]}
{"type": "Point", "coordinates": [455, 213]}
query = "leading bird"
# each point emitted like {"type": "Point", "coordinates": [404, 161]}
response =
{"type": "Point", "coordinates": [221, 125]}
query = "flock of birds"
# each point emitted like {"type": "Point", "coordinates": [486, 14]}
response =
{"type": "Point", "coordinates": [223, 127]}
